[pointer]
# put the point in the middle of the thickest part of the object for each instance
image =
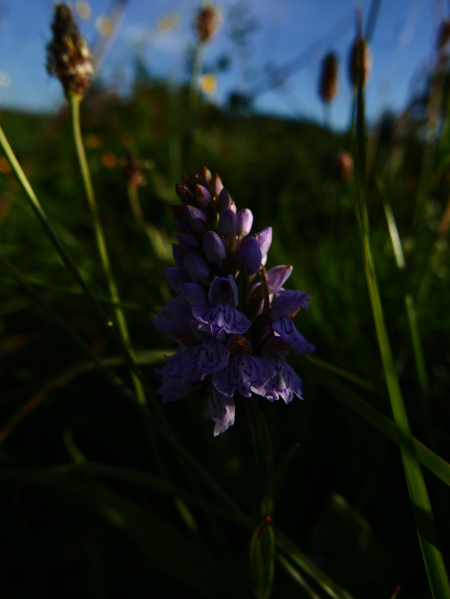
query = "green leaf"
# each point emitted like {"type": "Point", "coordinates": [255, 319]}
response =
{"type": "Point", "coordinates": [426, 457]}
{"type": "Point", "coordinates": [288, 548]}
{"type": "Point", "coordinates": [262, 554]}
{"type": "Point", "coordinates": [423, 515]}
{"type": "Point", "coordinates": [180, 556]}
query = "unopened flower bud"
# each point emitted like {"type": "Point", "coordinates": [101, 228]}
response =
{"type": "Point", "coordinates": [197, 219]}
{"type": "Point", "coordinates": [328, 84]}
{"type": "Point", "coordinates": [227, 223]}
{"type": "Point", "coordinates": [68, 57]}
{"type": "Point", "coordinates": [207, 22]}
{"type": "Point", "coordinates": [176, 277]}
{"type": "Point", "coordinates": [178, 255]}
{"type": "Point", "coordinates": [204, 174]}
{"type": "Point", "coordinates": [224, 200]}
{"type": "Point", "coordinates": [244, 222]}
{"type": "Point", "coordinates": [360, 49]}
{"type": "Point", "coordinates": [264, 239]}
{"type": "Point", "coordinates": [203, 196]}
{"type": "Point", "coordinates": [233, 207]}
{"type": "Point", "coordinates": [216, 185]}
{"type": "Point", "coordinates": [196, 269]}
{"type": "Point", "coordinates": [185, 194]}
{"type": "Point", "coordinates": [187, 241]}
{"type": "Point", "coordinates": [250, 256]}
{"type": "Point", "coordinates": [214, 247]}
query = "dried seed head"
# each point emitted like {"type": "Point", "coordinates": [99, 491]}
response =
{"type": "Point", "coordinates": [68, 57]}
{"type": "Point", "coordinates": [443, 37]}
{"type": "Point", "coordinates": [132, 171]}
{"type": "Point", "coordinates": [328, 85]}
{"type": "Point", "coordinates": [343, 166]}
{"type": "Point", "coordinates": [207, 22]}
{"type": "Point", "coordinates": [360, 49]}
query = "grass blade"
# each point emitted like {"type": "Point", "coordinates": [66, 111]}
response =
{"type": "Point", "coordinates": [426, 457]}
{"type": "Point", "coordinates": [423, 515]}
{"type": "Point", "coordinates": [287, 547]}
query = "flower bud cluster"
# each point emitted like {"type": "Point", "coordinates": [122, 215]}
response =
{"type": "Point", "coordinates": [68, 57]}
{"type": "Point", "coordinates": [231, 318]}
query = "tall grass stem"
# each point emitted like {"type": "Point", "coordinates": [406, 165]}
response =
{"type": "Point", "coordinates": [75, 101]}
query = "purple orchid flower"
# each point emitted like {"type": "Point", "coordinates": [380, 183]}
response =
{"type": "Point", "coordinates": [222, 315]}
{"type": "Point", "coordinates": [207, 317]}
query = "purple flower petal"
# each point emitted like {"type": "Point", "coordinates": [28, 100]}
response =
{"type": "Point", "coordinates": [197, 219]}
{"type": "Point", "coordinates": [212, 356]}
{"type": "Point", "coordinates": [198, 361]}
{"type": "Point", "coordinates": [250, 255]}
{"type": "Point", "coordinates": [203, 196]}
{"type": "Point", "coordinates": [288, 303]}
{"type": "Point", "coordinates": [216, 185]}
{"type": "Point", "coordinates": [223, 290]}
{"type": "Point", "coordinates": [227, 223]}
{"type": "Point", "coordinates": [214, 247]}
{"type": "Point", "coordinates": [184, 193]}
{"type": "Point", "coordinates": [285, 384]}
{"type": "Point", "coordinates": [245, 374]}
{"type": "Point", "coordinates": [264, 239]}
{"type": "Point", "coordinates": [197, 269]}
{"type": "Point", "coordinates": [288, 333]}
{"type": "Point", "coordinates": [187, 240]}
{"type": "Point", "coordinates": [222, 317]}
{"type": "Point", "coordinates": [244, 222]}
{"type": "Point", "coordinates": [224, 201]}
{"type": "Point", "coordinates": [221, 410]}
{"type": "Point", "coordinates": [173, 318]}
{"type": "Point", "coordinates": [277, 276]}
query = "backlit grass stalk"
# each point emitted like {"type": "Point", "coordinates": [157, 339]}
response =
{"type": "Point", "coordinates": [423, 515]}
{"type": "Point", "coordinates": [70, 265]}
{"type": "Point", "coordinates": [419, 357]}
{"type": "Point", "coordinates": [100, 238]}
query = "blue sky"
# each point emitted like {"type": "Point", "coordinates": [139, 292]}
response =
{"type": "Point", "coordinates": [402, 49]}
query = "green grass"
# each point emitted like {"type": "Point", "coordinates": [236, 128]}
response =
{"type": "Point", "coordinates": [104, 508]}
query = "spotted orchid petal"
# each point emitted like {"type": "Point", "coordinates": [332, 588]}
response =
{"type": "Point", "coordinates": [222, 317]}
{"type": "Point", "coordinates": [245, 374]}
{"type": "Point", "coordinates": [288, 302]}
{"type": "Point", "coordinates": [221, 410]}
{"type": "Point", "coordinates": [285, 384]}
{"type": "Point", "coordinates": [285, 328]}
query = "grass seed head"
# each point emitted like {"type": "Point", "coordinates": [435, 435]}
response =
{"type": "Point", "coordinates": [68, 57]}
{"type": "Point", "coordinates": [360, 50]}
{"type": "Point", "coordinates": [328, 84]}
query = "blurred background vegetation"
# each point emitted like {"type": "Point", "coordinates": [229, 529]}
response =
{"type": "Point", "coordinates": [344, 500]}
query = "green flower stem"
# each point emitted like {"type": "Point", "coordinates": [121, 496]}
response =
{"type": "Point", "coordinates": [39, 211]}
{"type": "Point", "coordinates": [194, 83]}
{"type": "Point", "coordinates": [261, 457]}
{"type": "Point", "coordinates": [101, 243]}
{"type": "Point", "coordinates": [70, 265]}
{"type": "Point", "coordinates": [423, 515]}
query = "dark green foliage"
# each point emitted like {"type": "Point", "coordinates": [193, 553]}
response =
{"type": "Point", "coordinates": [343, 500]}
